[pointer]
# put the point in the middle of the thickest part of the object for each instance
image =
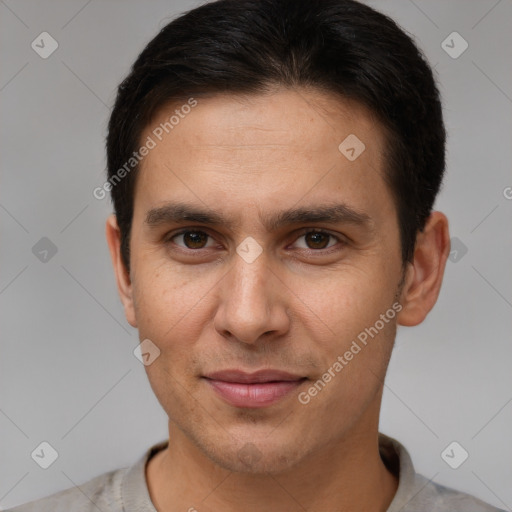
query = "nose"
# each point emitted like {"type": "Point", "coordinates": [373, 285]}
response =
{"type": "Point", "coordinates": [252, 302]}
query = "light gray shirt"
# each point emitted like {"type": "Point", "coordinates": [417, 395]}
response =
{"type": "Point", "coordinates": [126, 490]}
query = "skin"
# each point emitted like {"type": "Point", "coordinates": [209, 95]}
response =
{"type": "Point", "coordinates": [296, 307]}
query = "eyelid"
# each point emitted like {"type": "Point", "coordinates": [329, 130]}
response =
{"type": "Point", "coordinates": [306, 230]}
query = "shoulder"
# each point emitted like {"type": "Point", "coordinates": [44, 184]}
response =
{"type": "Point", "coordinates": [433, 496]}
{"type": "Point", "coordinates": [102, 492]}
{"type": "Point", "coordinates": [120, 490]}
{"type": "Point", "coordinates": [416, 493]}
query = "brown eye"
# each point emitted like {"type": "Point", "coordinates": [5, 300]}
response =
{"type": "Point", "coordinates": [192, 239]}
{"type": "Point", "coordinates": [317, 240]}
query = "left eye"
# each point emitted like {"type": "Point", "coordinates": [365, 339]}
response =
{"type": "Point", "coordinates": [317, 240]}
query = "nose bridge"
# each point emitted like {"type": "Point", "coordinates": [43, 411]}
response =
{"type": "Point", "coordinates": [249, 285]}
{"type": "Point", "coordinates": [250, 269]}
{"type": "Point", "coordinates": [249, 305]}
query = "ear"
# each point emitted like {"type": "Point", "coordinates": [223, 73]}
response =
{"type": "Point", "coordinates": [424, 274]}
{"type": "Point", "coordinates": [124, 285]}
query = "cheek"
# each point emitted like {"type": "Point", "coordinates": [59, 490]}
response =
{"type": "Point", "coordinates": [348, 309]}
{"type": "Point", "coordinates": [344, 302]}
{"type": "Point", "coordinates": [166, 297]}
{"type": "Point", "coordinates": [353, 371]}
{"type": "Point", "coordinates": [168, 305]}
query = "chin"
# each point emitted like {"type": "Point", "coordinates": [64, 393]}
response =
{"type": "Point", "coordinates": [257, 458]}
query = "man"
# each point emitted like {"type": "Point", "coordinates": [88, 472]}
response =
{"type": "Point", "coordinates": [273, 166]}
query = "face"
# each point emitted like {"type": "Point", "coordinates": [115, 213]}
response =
{"type": "Point", "coordinates": [262, 280]}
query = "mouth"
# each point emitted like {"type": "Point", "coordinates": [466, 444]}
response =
{"type": "Point", "coordinates": [253, 390]}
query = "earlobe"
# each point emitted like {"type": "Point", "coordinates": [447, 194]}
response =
{"type": "Point", "coordinates": [424, 275]}
{"type": "Point", "coordinates": [123, 280]}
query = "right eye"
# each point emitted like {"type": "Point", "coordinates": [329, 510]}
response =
{"type": "Point", "coordinates": [192, 239]}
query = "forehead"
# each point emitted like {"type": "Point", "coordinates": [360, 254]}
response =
{"type": "Point", "coordinates": [282, 118]}
{"type": "Point", "coordinates": [232, 150]}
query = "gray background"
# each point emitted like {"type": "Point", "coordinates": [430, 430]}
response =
{"type": "Point", "coordinates": [67, 372]}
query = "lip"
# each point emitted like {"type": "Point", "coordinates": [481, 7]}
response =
{"type": "Point", "coordinates": [253, 378]}
{"type": "Point", "coordinates": [253, 390]}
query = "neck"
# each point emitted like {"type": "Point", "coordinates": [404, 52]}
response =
{"type": "Point", "coordinates": [348, 475]}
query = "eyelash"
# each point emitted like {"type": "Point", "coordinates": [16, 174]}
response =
{"type": "Point", "coordinates": [302, 233]}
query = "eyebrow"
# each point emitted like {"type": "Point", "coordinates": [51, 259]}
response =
{"type": "Point", "coordinates": [173, 212]}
